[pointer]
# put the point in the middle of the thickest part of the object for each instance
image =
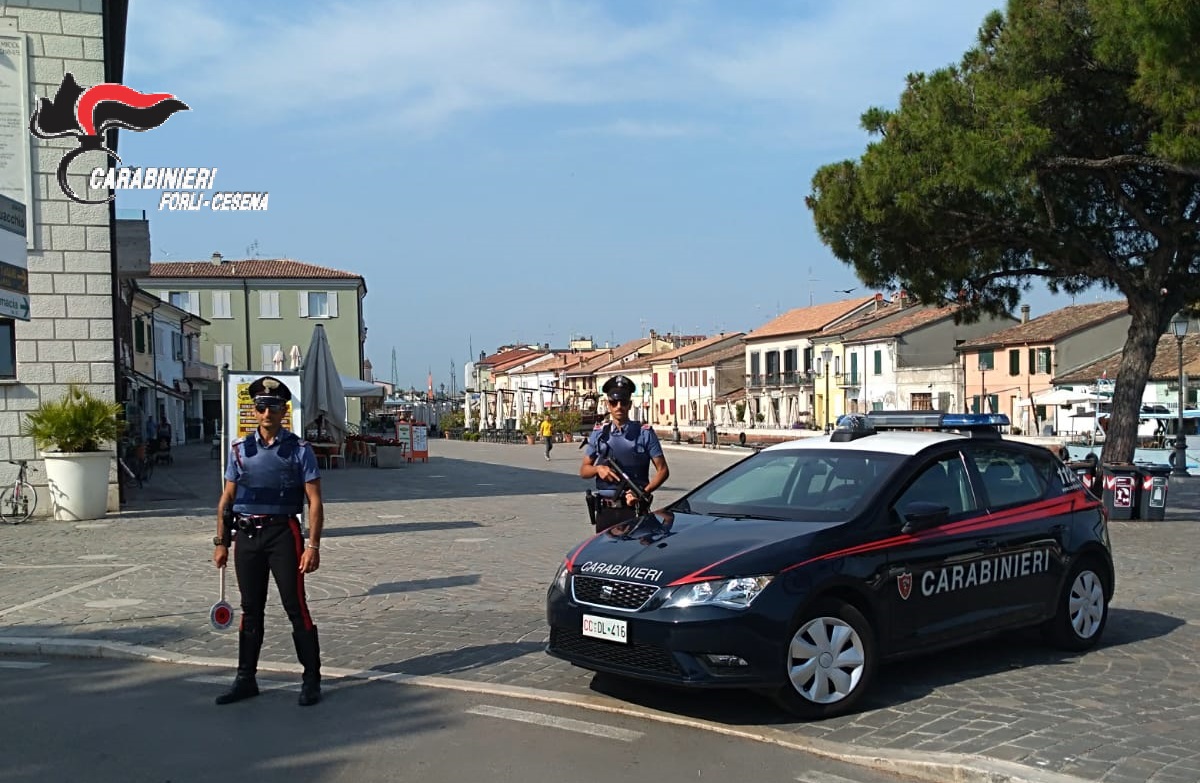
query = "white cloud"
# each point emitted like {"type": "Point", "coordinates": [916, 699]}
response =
{"type": "Point", "coordinates": [641, 129]}
{"type": "Point", "coordinates": [421, 64]}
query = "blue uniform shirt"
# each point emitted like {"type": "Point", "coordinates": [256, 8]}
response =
{"type": "Point", "coordinates": [270, 478]}
{"type": "Point", "coordinates": [632, 446]}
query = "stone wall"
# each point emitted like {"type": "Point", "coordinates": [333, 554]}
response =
{"type": "Point", "coordinates": [69, 338]}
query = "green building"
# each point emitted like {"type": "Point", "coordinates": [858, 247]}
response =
{"type": "Point", "coordinates": [262, 311]}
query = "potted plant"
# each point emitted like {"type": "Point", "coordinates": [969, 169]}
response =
{"type": "Point", "coordinates": [74, 434]}
{"type": "Point", "coordinates": [529, 428]}
{"type": "Point", "coordinates": [454, 420]}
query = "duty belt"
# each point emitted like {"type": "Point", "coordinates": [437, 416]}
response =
{"type": "Point", "coordinates": [257, 522]}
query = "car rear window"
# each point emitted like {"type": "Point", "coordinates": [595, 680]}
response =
{"type": "Point", "coordinates": [1011, 477]}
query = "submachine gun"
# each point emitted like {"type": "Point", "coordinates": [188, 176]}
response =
{"type": "Point", "coordinates": [610, 503]}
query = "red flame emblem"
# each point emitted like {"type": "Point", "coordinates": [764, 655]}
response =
{"type": "Point", "coordinates": [904, 584]}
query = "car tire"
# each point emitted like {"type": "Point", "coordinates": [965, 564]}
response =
{"type": "Point", "coordinates": [829, 662]}
{"type": "Point", "coordinates": [1081, 612]}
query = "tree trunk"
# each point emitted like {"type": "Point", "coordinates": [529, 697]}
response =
{"type": "Point", "coordinates": [1146, 326]}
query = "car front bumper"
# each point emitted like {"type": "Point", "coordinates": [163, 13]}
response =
{"type": "Point", "coordinates": [672, 645]}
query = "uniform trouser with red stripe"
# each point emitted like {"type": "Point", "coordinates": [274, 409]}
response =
{"type": "Point", "coordinates": [273, 549]}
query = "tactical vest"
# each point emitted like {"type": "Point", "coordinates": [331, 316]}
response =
{"type": "Point", "coordinates": [270, 480]}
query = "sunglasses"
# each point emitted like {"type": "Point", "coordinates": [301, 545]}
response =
{"type": "Point", "coordinates": [263, 407]}
{"type": "Point", "coordinates": [617, 403]}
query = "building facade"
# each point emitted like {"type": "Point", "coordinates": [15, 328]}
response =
{"type": "Point", "coordinates": [261, 314]}
{"type": "Point", "coordinates": [69, 337]}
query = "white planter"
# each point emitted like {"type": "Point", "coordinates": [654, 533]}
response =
{"type": "Point", "coordinates": [78, 484]}
{"type": "Point", "coordinates": [389, 457]}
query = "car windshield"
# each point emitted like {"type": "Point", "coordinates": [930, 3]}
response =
{"type": "Point", "coordinates": [802, 485]}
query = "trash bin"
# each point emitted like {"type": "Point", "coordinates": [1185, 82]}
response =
{"type": "Point", "coordinates": [1153, 502]}
{"type": "Point", "coordinates": [1086, 470]}
{"type": "Point", "coordinates": [1122, 483]}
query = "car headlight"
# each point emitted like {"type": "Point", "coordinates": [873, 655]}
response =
{"type": "Point", "coordinates": [560, 579]}
{"type": "Point", "coordinates": [730, 593]}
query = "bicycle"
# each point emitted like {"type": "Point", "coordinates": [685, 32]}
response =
{"type": "Point", "coordinates": [18, 502]}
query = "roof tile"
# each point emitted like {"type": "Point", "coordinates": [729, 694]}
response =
{"type": "Point", "coordinates": [1053, 326]}
{"type": "Point", "coordinates": [248, 268]}
{"type": "Point", "coordinates": [809, 319]}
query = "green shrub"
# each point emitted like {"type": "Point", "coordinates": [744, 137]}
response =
{"type": "Point", "coordinates": [78, 422]}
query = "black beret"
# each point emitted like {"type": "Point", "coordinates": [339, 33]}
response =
{"type": "Point", "coordinates": [270, 388]}
{"type": "Point", "coordinates": [618, 388]}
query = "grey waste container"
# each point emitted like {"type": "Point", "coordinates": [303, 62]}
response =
{"type": "Point", "coordinates": [1086, 470]}
{"type": "Point", "coordinates": [1154, 480]}
{"type": "Point", "coordinates": [1121, 484]}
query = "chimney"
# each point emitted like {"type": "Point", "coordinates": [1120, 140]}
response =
{"type": "Point", "coordinates": [653, 342]}
{"type": "Point", "coordinates": [878, 301]}
{"type": "Point", "coordinates": [902, 296]}
{"type": "Point", "coordinates": [1024, 314]}
{"type": "Point", "coordinates": [217, 259]}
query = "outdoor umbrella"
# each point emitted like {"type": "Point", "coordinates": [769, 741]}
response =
{"type": "Point", "coordinates": [321, 385]}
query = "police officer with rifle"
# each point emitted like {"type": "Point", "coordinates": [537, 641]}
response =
{"type": "Point", "coordinates": [618, 456]}
{"type": "Point", "coordinates": [269, 476]}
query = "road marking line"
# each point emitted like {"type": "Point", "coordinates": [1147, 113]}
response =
{"type": "Point", "coordinates": [813, 776]}
{"type": "Point", "coordinates": [553, 721]}
{"type": "Point", "coordinates": [69, 590]}
{"type": "Point", "coordinates": [469, 540]}
{"type": "Point", "coordinates": [391, 516]}
{"type": "Point", "coordinates": [65, 565]}
{"type": "Point", "coordinates": [263, 685]}
{"type": "Point", "coordinates": [23, 664]}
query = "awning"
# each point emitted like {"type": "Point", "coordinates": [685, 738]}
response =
{"type": "Point", "coordinates": [146, 382]}
{"type": "Point", "coordinates": [354, 387]}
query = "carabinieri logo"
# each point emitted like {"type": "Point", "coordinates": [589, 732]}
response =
{"type": "Point", "coordinates": [87, 114]}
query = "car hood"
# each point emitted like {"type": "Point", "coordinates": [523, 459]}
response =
{"type": "Point", "coordinates": [666, 547]}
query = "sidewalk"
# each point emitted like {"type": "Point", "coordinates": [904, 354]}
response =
{"type": "Point", "coordinates": [439, 570]}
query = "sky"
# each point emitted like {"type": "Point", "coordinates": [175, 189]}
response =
{"type": "Point", "coordinates": [529, 171]}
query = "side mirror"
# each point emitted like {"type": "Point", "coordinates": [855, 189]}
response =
{"type": "Point", "coordinates": [922, 515]}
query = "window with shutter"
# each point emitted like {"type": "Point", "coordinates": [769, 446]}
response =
{"type": "Point", "coordinates": [223, 354]}
{"type": "Point", "coordinates": [268, 356]}
{"type": "Point", "coordinates": [1014, 362]}
{"type": "Point", "coordinates": [331, 298]}
{"type": "Point", "coordinates": [879, 362]}
{"type": "Point", "coordinates": [220, 305]}
{"type": "Point", "coordinates": [268, 304]}
{"type": "Point", "coordinates": [139, 335]}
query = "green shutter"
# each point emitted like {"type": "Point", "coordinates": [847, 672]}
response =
{"type": "Point", "coordinates": [1014, 362]}
{"type": "Point", "coordinates": [139, 335]}
{"type": "Point", "coordinates": [879, 362]}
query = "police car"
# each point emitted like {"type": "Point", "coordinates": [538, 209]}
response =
{"type": "Point", "coordinates": [799, 569]}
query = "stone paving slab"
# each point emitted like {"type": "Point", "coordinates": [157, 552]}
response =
{"type": "Point", "coordinates": [439, 569]}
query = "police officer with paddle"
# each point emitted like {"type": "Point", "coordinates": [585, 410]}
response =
{"type": "Point", "coordinates": [270, 474]}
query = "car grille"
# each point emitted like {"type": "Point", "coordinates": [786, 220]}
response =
{"type": "Point", "coordinates": [642, 657]}
{"type": "Point", "coordinates": [610, 593]}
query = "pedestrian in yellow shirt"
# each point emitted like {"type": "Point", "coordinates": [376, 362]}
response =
{"type": "Point", "coordinates": [546, 430]}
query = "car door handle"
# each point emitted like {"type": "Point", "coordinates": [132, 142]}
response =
{"type": "Point", "coordinates": [986, 543]}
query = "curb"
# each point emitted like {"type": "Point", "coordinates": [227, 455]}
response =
{"type": "Point", "coordinates": [927, 767]}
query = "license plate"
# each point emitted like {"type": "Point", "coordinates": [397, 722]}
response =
{"type": "Point", "coordinates": [605, 628]}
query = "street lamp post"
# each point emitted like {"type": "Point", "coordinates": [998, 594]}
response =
{"type": "Point", "coordinates": [826, 359]}
{"type": "Point", "coordinates": [712, 408]}
{"type": "Point", "coordinates": [675, 399]}
{"type": "Point", "coordinates": [1179, 324]}
{"type": "Point", "coordinates": [982, 386]}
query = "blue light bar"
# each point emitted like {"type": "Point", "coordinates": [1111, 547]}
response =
{"type": "Point", "coordinates": [963, 421]}
{"type": "Point", "coordinates": [936, 420]}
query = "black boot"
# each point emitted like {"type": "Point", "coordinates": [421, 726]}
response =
{"type": "Point", "coordinates": [244, 685]}
{"type": "Point", "coordinates": [308, 650]}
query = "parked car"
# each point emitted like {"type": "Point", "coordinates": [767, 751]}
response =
{"type": "Point", "coordinates": [799, 569]}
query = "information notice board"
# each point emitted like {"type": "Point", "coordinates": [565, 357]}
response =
{"type": "Point", "coordinates": [415, 438]}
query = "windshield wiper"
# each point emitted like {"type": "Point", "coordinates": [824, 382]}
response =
{"type": "Point", "coordinates": [748, 516]}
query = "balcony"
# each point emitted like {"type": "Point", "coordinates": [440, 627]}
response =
{"type": "Point", "coordinates": [200, 371]}
{"type": "Point", "coordinates": [780, 380]}
{"type": "Point", "coordinates": [848, 380]}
